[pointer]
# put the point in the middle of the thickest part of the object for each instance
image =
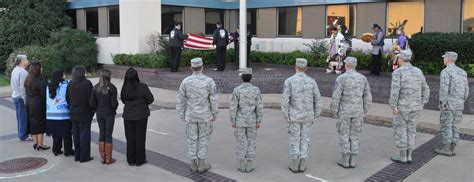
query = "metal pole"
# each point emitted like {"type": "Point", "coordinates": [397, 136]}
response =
{"type": "Point", "coordinates": [243, 35]}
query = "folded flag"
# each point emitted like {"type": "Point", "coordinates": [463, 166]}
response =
{"type": "Point", "coordinates": [197, 42]}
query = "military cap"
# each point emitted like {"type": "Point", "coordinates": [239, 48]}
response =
{"type": "Point", "coordinates": [451, 55]}
{"type": "Point", "coordinates": [196, 62]}
{"type": "Point", "coordinates": [301, 62]}
{"type": "Point", "coordinates": [405, 55]}
{"type": "Point", "coordinates": [351, 60]}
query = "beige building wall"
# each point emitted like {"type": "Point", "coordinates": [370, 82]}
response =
{"type": "Point", "coordinates": [267, 23]}
{"type": "Point", "coordinates": [81, 19]}
{"type": "Point", "coordinates": [442, 16]}
{"type": "Point", "coordinates": [103, 21]}
{"type": "Point", "coordinates": [314, 20]}
{"type": "Point", "coordinates": [194, 19]}
{"type": "Point", "coordinates": [367, 14]}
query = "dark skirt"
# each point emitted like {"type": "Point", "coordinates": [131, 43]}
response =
{"type": "Point", "coordinates": [59, 128]}
{"type": "Point", "coordinates": [36, 118]}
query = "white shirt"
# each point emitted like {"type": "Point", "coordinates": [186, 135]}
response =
{"type": "Point", "coordinates": [17, 82]}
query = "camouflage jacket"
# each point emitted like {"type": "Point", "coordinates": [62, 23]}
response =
{"type": "Point", "coordinates": [351, 96]}
{"type": "Point", "coordinates": [246, 107]}
{"type": "Point", "coordinates": [197, 99]}
{"type": "Point", "coordinates": [301, 100]}
{"type": "Point", "coordinates": [409, 90]}
{"type": "Point", "coordinates": [454, 88]}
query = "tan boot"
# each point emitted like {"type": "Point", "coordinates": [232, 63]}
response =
{"type": "Point", "coordinates": [102, 152]}
{"type": "Point", "coordinates": [108, 154]}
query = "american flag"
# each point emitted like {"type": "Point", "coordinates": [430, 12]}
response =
{"type": "Point", "coordinates": [199, 42]}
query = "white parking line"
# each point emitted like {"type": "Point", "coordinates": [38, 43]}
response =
{"type": "Point", "coordinates": [161, 133]}
{"type": "Point", "coordinates": [316, 178]}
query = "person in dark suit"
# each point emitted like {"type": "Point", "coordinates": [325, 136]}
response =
{"type": "Point", "coordinates": [220, 40]}
{"type": "Point", "coordinates": [35, 85]}
{"type": "Point", "coordinates": [236, 40]}
{"type": "Point", "coordinates": [176, 46]}
{"type": "Point", "coordinates": [58, 121]}
{"type": "Point", "coordinates": [78, 95]}
{"type": "Point", "coordinates": [136, 96]}
{"type": "Point", "coordinates": [104, 101]}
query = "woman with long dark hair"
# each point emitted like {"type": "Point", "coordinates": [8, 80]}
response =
{"type": "Point", "coordinates": [78, 95]}
{"type": "Point", "coordinates": [58, 121]}
{"type": "Point", "coordinates": [136, 96]}
{"type": "Point", "coordinates": [35, 85]}
{"type": "Point", "coordinates": [104, 101]}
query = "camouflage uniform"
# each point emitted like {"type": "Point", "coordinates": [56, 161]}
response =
{"type": "Point", "coordinates": [351, 100]}
{"type": "Point", "coordinates": [453, 92]}
{"type": "Point", "coordinates": [246, 110]}
{"type": "Point", "coordinates": [301, 104]}
{"type": "Point", "coordinates": [408, 94]}
{"type": "Point", "coordinates": [197, 104]}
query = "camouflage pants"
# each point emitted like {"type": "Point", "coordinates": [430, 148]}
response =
{"type": "Point", "coordinates": [404, 126]}
{"type": "Point", "coordinates": [299, 139]}
{"type": "Point", "coordinates": [449, 121]}
{"type": "Point", "coordinates": [349, 129]}
{"type": "Point", "coordinates": [198, 137]}
{"type": "Point", "coordinates": [246, 142]}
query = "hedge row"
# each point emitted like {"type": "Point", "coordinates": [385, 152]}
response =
{"type": "Point", "coordinates": [161, 61]}
{"type": "Point", "coordinates": [429, 47]}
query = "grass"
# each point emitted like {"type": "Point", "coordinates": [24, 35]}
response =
{"type": "Point", "coordinates": [4, 81]}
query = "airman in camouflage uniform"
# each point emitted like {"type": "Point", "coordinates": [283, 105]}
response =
{"type": "Point", "coordinates": [246, 110]}
{"type": "Point", "coordinates": [351, 101]}
{"type": "Point", "coordinates": [197, 104]}
{"type": "Point", "coordinates": [453, 92]}
{"type": "Point", "coordinates": [408, 94]}
{"type": "Point", "coordinates": [301, 105]}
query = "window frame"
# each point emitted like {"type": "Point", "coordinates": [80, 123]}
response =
{"type": "Point", "coordinates": [354, 34]}
{"type": "Point", "coordinates": [108, 21]}
{"type": "Point", "coordinates": [278, 23]}
{"type": "Point", "coordinates": [98, 23]}
{"type": "Point", "coordinates": [223, 11]}
{"type": "Point", "coordinates": [183, 27]}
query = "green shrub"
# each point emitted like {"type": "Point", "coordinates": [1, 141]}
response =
{"type": "Point", "coordinates": [429, 47]}
{"type": "Point", "coordinates": [470, 70]}
{"type": "Point", "coordinates": [47, 55]}
{"type": "Point", "coordinates": [28, 22]}
{"type": "Point", "coordinates": [76, 47]}
{"type": "Point", "coordinates": [141, 60]}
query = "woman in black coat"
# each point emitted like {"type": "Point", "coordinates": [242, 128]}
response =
{"type": "Point", "coordinates": [35, 85]}
{"type": "Point", "coordinates": [136, 96]}
{"type": "Point", "coordinates": [104, 101]}
{"type": "Point", "coordinates": [78, 94]}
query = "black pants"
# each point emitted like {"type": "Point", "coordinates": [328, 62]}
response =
{"type": "Point", "coordinates": [221, 57]}
{"type": "Point", "coordinates": [106, 128]}
{"type": "Point", "coordinates": [135, 133]}
{"type": "Point", "coordinates": [175, 58]}
{"type": "Point", "coordinates": [81, 131]}
{"type": "Point", "coordinates": [58, 144]}
{"type": "Point", "coordinates": [375, 64]}
{"type": "Point", "coordinates": [236, 55]}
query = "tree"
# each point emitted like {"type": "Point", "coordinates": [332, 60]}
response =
{"type": "Point", "coordinates": [29, 22]}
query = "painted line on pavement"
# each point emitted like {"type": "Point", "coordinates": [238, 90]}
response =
{"type": "Point", "coordinates": [316, 178]}
{"type": "Point", "coordinates": [153, 131]}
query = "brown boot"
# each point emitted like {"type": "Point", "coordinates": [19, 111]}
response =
{"type": "Point", "coordinates": [108, 154]}
{"type": "Point", "coordinates": [102, 152]}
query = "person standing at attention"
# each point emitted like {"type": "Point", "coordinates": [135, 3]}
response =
{"type": "Point", "coordinates": [17, 83]}
{"type": "Point", "coordinates": [104, 101]}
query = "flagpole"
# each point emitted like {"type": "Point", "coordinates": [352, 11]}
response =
{"type": "Point", "coordinates": [243, 35]}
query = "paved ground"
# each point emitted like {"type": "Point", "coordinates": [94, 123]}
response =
{"type": "Point", "coordinates": [166, 153]}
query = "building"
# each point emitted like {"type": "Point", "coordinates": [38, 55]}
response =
{"type": "Point", "coordinates": [124, 26]}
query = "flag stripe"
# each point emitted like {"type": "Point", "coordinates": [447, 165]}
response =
{"type": "Point", "coordinates": [199, 42]}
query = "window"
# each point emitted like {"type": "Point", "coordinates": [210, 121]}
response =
{"type": "Point", "coordinates": [92, 21]}
{"type": "Point", "coordinates": [468, 21]}
{"type": "Point", "coordinates": [169, 16]}
{"type": "Point", "coordinates": [341, 15]}
{"type": "Point", "coordinates": [409, 14]}
{"type": "Point", "coordinates": [212, 17]}
{"type": "Point", "coordinates": [251, 21]}
{"type": "Point", "coordinates": [72, 15]}
{"type": "Point", "coordinates": [289, 21]}
{"type": "Point", "coordinates": [114, 20]}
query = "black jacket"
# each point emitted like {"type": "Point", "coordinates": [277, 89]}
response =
{"type": "Point", "coordinates": [218, 40]}
{"type": "Point", "coordinates": [177, 39]}
{"type": "Point", "coordinates": [36, 100]}
{"type": "Point", "coordinates": [78, 95]}
{"type": "Point", "coordinates": [235, 39]}
{"type": "Point", "coordinates": [136, 107]}
{"type": "Point", "coordinates": [105, 105]}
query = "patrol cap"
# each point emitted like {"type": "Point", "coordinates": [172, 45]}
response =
{"type": "Point", "coordinates": [451, 55]}
{"type": "Point", "coordinates": [351, 60]}
{"type": "Point", "coordinates": [405, 55]}
{"type": "Point", "coordinates": [196, 62]}
{"type": "Point", "coordinates": [301, 62]}
{"type": "Point", "coordinates": [247, 71]}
